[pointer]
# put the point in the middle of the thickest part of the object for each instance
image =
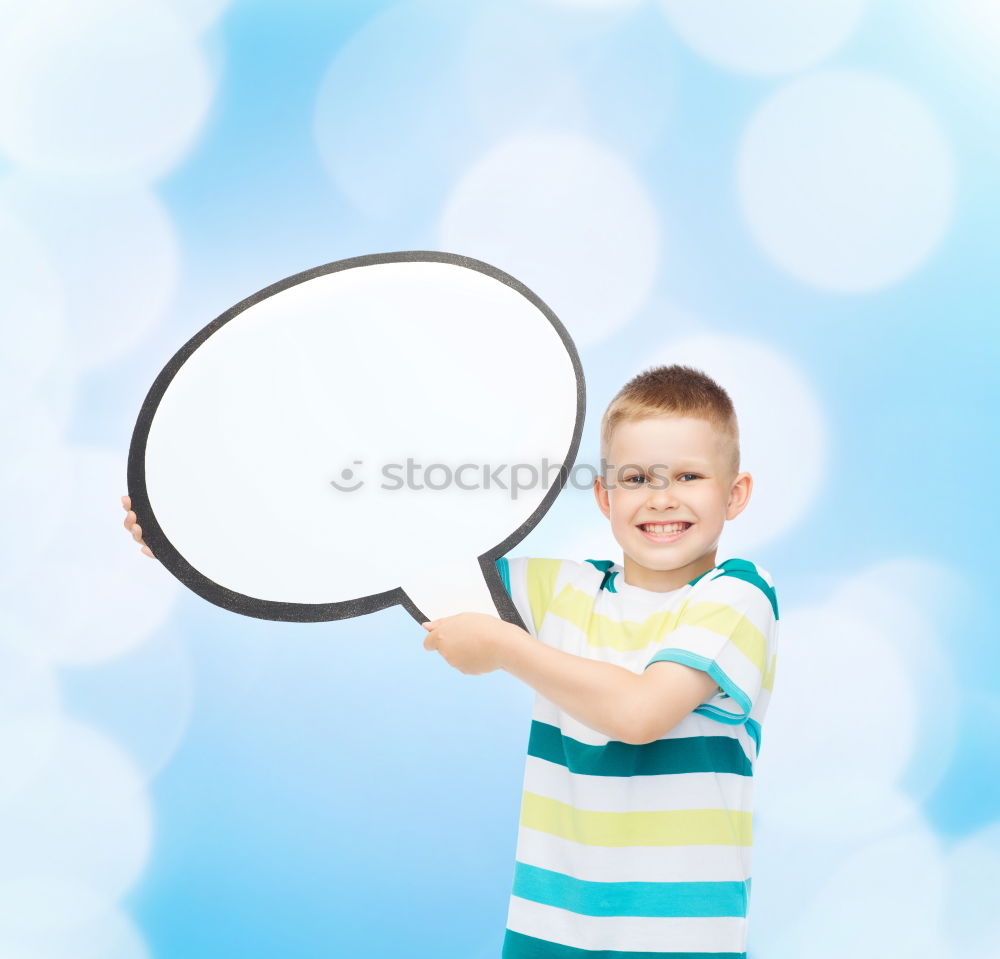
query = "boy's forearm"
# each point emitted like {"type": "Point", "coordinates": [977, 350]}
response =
{"type": "Point", "coordinates": [597, 694]}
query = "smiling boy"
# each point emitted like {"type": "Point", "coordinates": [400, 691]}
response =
{"type": "Point", "coordinates": [652, 678]}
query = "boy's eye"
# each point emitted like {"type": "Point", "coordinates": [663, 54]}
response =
{"type": "Point", "coordinates": [634, 479]}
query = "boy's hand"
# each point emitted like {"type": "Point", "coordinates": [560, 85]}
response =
{"type": "Point", "coordinates": [132, 525]}
{"type": "Point", "coordinates": [471, 642]}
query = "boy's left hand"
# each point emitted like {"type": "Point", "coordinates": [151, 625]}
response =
{"type": "Point", "coordinates": [471, 642]}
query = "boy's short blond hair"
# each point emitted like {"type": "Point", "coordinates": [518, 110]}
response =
{"type": "Point", "coordinates": [678, 391]}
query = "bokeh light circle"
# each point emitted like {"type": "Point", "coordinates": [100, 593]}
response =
{"type": "Point", "coordinates": [567, 217]}
{"type": "Point", "coordinates": [58, 918]}
{"type": "Point", "coordinates": [110, 598]}
{"type": "Point", "coordinates": [846, 180]}
{"type": "Point", "coordinates": [115, 251]}
{"type": "Point", "coordinates": [83, 817]}
{"type": "Point", "coordinates": [764, 36]}
{"type": "Point", "coordinates": [103, 88]}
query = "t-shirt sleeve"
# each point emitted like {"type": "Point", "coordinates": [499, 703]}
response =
{"type": "Point", "coordinates": [531, 585]}
{"type": "Point", "coordinates": [728, 627]}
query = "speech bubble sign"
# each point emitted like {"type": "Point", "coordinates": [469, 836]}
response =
{"type": "Point", "coordinates": [359, 435]}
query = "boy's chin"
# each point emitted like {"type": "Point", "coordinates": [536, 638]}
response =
{"type": "Point", "coordinates": [657, 564]}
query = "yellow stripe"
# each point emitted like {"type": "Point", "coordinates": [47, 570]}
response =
{"type": "Point", "coordinates": [726, 621]}
{"type": "Point", "coordinates": [768, 682]}
{"type": "Point", "coordinates": [541, 574]}
{"type": "Point", "coordinates": [680, 827]}
{"type": "Point", "coordinates": [577, 607]}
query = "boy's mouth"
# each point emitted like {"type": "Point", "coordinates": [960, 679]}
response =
{"type": "Point", "coordinates": [663, 532]}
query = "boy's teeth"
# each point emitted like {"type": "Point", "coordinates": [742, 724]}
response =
{"type": "Point", "coordinates": [660, 529]}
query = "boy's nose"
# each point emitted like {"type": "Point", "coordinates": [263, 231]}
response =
{"type": "Point", "coordinates": [664, 496]}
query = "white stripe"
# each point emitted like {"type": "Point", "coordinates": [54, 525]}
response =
{"type": "Point", "coordinates": [746, 674]}
{"type": "Point", "coordinates": [638, 934]}
{"type": "Point", "coordinates": [517, 568]}
{"type": "Point", "coordinates": [633, 863]}
{"type": "Point", "coordinates": [760, 705]}
{"type": "Point", "coordinates": [583, 576]}
{"type": "Point", "coordinates": [693, 724]}
{"type": "Point", "coordinates": [693, 639]}
{"type": "Point", "coordinates": [545, 711]}
{"type": "Point", "coordinates": [708, 790]}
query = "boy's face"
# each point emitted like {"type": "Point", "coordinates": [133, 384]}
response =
{"type": "Point", "coordinates": [663, 470]}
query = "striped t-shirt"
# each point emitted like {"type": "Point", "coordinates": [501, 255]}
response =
{"type": "Point", "coordinates": [641, 851]}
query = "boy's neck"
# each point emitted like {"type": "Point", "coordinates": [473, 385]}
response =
{"type": "Point", "coordinates": [666, 580]}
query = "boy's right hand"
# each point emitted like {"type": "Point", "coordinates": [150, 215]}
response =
{"type": "Point", "coordinates": [132, 525]}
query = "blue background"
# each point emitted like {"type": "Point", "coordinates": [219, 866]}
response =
{"type": "Point", "coordinates": [332, 789]}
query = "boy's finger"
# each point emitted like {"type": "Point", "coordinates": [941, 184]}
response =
{"type": "Point", "coordinates": [126, 502]}
{"type": "Point", "coordinates": [148, 551]}
{"type": "Point", "coordinates": [137, 532]}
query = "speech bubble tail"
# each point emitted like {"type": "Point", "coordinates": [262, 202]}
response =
{"type": "Point", "coordinates": [445, 589]}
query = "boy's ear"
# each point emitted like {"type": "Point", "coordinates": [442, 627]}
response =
{"type": "Point", "coordinates": [739, 495]}
{"type": "Point", "coordinates": [601, 495]}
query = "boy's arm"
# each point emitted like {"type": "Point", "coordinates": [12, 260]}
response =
{"type": "Point", "coordinates": [671, 691]}
{"type": "Point", "coordinates": [629, 707]}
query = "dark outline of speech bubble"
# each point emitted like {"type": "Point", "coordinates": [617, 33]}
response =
{"type": "Point", "coordinates": [229, 599]}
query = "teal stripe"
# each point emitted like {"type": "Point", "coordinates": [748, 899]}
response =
{"type": "Point", "coordinates": [710, 666]}
{"type": "Point", "coordinates": [504, 567]}
{"type": "Point", "coordinates": [747, 571]}
{"type": "Point", "coordinates": [688, 754]}
{"type": "Point", "coordinates": [518, 946]}
{"type": "Point", "coordinates": [646, 899]}
{"type": "Point", "coordinates": [604, 565]}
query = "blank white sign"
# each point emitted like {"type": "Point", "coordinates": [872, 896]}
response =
{"type": "Point", "coordinates": [373, 431]}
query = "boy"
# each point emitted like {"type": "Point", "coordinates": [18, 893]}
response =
{"type": "Point", "coordinates": [652, 680]}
